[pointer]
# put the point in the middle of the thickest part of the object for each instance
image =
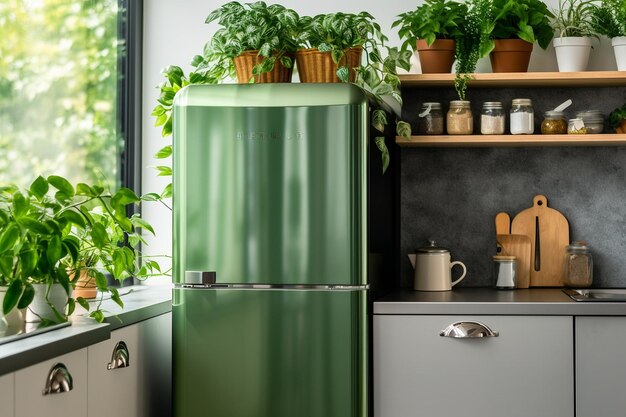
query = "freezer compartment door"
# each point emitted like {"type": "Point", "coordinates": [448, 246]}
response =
{"type": "Point", "coordinates": [271, 195]}
{"type": "Point", "coordinates": [269, 353]}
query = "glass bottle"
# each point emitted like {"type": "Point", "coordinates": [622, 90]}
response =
{"type": "Point", "coordinates": [554, 123]}
{"type": "Point", "coordinates": [430, 119]}
{"type": "Point", "coordinates": [460, 120]}
{"type": "Point", "coordinates": [492, 118]}
{"type": "Point", "coordinates": [578, 265]}
{"type": "Point", "coordinates": [522, 117]}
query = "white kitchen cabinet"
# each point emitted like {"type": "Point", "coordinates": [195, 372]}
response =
{"type": "Point", "coordinates": [525, 371]}
{"type": "Point", "coordinates": [600, 366]}
{"type": "Point", "coordinates": [30, 383]}
{"type": "Point", "coordinates": [143, 387]}
{"type": "Point", "coordinates": [7, 392]}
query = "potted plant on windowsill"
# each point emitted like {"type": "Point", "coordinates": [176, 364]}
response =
{"type": "Point", "coordinates": [572, 23]}
{"type": "Point", "coordinates": [432, 29]}
{"type": "Point", "coordinates": [517, 25]}
{"type": "Point", "coordinates": [82, 226]}
{"type": "Point", "coordinates": [608, 18]}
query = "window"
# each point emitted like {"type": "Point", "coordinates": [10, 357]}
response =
{"type": "Point", "coordinates": [68, 83]}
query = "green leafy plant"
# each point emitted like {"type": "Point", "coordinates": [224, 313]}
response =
{"type": "Point", "coordinates": [434, 19]}
{"type": "Point", "coordinates": [573, 18]}
{"type": "Point", "coordinates": [616, 117]}
{"type": "Point", "coordinates": [608, 18]}
{"type": "Point", "coordinates": [528, 20]}
{"type": "Point", "coordinates": [473, 43]}
{"type": "Point", "coordinates": [54, 229]}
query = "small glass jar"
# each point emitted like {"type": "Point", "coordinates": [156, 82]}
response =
{"type": "Point", "coordinates": [522, 117]}
{"type": "Point", "coordinates": [593, 120]}
{"type": "Point", "coordinates": [578, 266]}
{"type": "Point", "coordinates": [430, 119]}
{"type": "Point", "coordinates": [504, 272]}
{"type": "Point", "coordinates": [554, 123]}
{"type": "Point", "coordinates": [576, 127]}
{"type": "Point", "coordinates": [460, 120]}
{"type": "Point", "coordinates": [492, 119]}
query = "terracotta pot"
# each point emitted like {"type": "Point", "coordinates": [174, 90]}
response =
{"type": "Point", "coordinates": [510, 55]}
{"type": "Point", "coordinates": [85, 286]}
{"type": "Point", "coordinates": [438, 57]}
{"type": "Point", "coordinates": [247, 60]}
{"type": "Point", "coordinates": [622, 127]}
{"type": "Point", "coordinates": [315, 66]}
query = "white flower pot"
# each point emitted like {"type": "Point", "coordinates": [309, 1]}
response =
{"type": "Point", "coordinates": [619, 48]}
{"type": "Point", "coordinates": [13, 322]}
{"type": "Point", "coordinates": [40, 308]}
{"type": "Point", "coordinates": [572, 53]}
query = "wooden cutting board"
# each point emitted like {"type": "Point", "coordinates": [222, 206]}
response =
{"type": "Point", "coordinates": [548, 231]}
{"type": "Point", "coordinates": [514, 245]}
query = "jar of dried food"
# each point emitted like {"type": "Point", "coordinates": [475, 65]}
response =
{"type": "Point", "coordinates": [522, 117]}
{"type": "Point", "coordinates": [576, 127]}
{"type": "Point", "coordinates": [578, 265]}
{"type": "Point", "coordinates": [430, 119]}
{"type": "Point", "coordinates": [492, 118]}
{"type": "Point", "coordinates": [593, 120]}
{"type": "Point", "coordinates": [554, 123]}
{"type": "Point", "coordinates": [460, 120]}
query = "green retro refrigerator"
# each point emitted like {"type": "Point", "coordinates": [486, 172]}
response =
{"type": "Point", "coordinates": [270, 258]}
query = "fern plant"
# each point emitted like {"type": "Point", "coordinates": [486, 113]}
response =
{"type": "Point", "coordinates": [608, 18]}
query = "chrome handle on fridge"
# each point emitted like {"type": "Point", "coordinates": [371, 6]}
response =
{"type": "Point", "coordinates": [59, 380]}
{"type": "Point", "coordinates": [468, 330]}
{"type": "Point", "coordinates": [120, 357]}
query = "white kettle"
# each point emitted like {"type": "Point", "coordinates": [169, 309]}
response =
{"type": "Point", "coordinates": [433, 269]}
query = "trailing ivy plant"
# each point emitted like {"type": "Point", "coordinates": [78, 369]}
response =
{"type": "Point", "coordinates": [574, 18]}
{"type": "Point", "coordinates": [608, 18]}
{"type": "Point", "coordinates": [434, 19]}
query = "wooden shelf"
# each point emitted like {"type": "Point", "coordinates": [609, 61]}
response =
{"type": "Point", "coordinates": [522, 79]}
{"type": "Point", "coordinates": [468, 141]}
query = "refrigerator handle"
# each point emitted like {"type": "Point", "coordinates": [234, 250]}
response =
{"type": "Point", "coordinates": [200, 277]}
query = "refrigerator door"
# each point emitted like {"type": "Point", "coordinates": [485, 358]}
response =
{"type": "Point", "coordinates": [269, 353]}
{"type": "Point", "coordinates": [270, 183]}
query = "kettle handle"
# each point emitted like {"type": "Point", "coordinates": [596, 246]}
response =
{"type": "Point", "coordinates": [464, 271]}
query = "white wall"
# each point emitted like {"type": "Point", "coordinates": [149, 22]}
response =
{"type": "Point", "coordinates": [174, 31]}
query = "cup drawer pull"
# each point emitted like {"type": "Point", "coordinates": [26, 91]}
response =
{"type": "Point", "coordinates": [59, 380]}
{"type": "Point", "coordinates": [468, 330]}
{"type": "Point", "coordinates": [120, 357]}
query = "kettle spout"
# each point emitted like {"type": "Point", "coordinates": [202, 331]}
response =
{"type": "Point", "coordinates": [412, 258]}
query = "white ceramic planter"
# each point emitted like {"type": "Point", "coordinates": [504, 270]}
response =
{"type": "Point", "coordinates": [13, 322]}
{"type": "Point", "coordinates": [572, 53]}
{"type": "Point", "coordinates": [40, 307]}
{"type": "Point", "coordinates": [619, 48]}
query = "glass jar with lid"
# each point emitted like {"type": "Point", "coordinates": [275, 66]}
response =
{"type": "Point", "coordinates": [522, 117]}
{"type": "Point", "coordinates": [554, 123]}
{"type": "Point", "coordinates": [593, 120]}
{"type": "Point", "coordinates": [578, 265]}
{"type": "Point", "coordinates": [460, 120]}
{"type": "Point", "coordinates": [430, 119]}
{"type": "Point", "coordinates": [576, 126]}
{"type": "Point", "coordinates": [492, 119]}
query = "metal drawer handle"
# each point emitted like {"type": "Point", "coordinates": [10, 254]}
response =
{"type": "Point", "coordinates": [468, 330]}
{"type": "Point", "coordinates": [119, 358]}
{"type": "Point", "coordinates": [59, 380]}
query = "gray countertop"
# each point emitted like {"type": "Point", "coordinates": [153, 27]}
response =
{"type": "Point", "coordinates": [140, 303]}
{"type": "Point", "coordinates": [476, 301]}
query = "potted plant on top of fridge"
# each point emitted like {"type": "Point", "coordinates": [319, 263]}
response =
{"type": "Point", "coordinates": [255, 41]}
{"type": "Point", "coordinates": [572, 43]}
{"type": "Point", "coordinates": [432, 29]}
{"type": "Point", "coordinates": [517, 25]}
{"type": "Point", "coordinates": [609, 19]}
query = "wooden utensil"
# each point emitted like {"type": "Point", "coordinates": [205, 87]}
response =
{"type": "Point", "coordinates": [514, 245]}
{"type": "Point", "coordinates": [548, 231]}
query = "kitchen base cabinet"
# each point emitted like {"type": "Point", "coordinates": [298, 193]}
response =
{"type": "Point", "coordinates": [30, 383]}
{"type": "Point", "coordinates": [600, 366]}
{"type": "Point", "coordinates": [525, 371]}
{"type": "Point", "coordinates": [7, 392]}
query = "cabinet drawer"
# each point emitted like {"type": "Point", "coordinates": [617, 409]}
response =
{"type": "Point", "coordinates": [121, 384]}
{"type": "Point", "coordinates": [31, 381]}
{"type": "Point", "coordinates": [525, 371]}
